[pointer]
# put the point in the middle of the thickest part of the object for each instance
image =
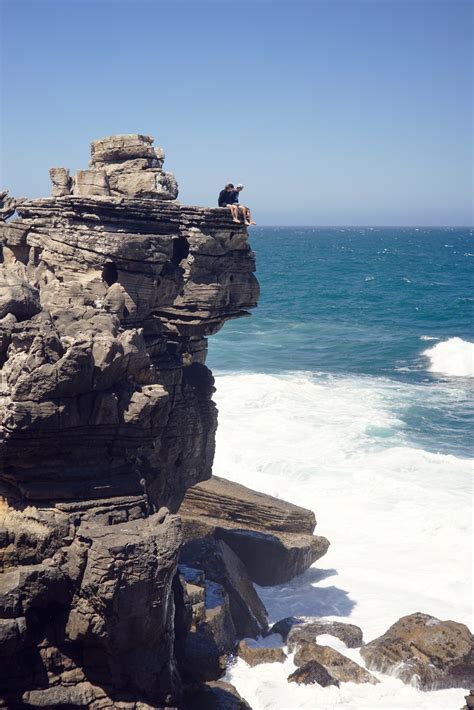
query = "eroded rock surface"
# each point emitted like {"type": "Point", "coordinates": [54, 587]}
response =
{"type": "Point", "coordinates": [223, 567]}
{"type": "Point", "coordinates": [108, 291]}
{"type": "Point", "coordinates": [425, 651]}
{"type": "Point", "coordinates": [273, 538]}
{"type": "Point", "coordinates": [469, 701]}
{"type": "Point", "coordinates": [205, 637]}
{"type": "Point", "coordinates": [350, 634]}
{"type": "Point", "coordinates": [255, 653]}
{"type": "Point", "coordinates": [312, 672]}
{"type": "Point", "coordinates": [340, 667]}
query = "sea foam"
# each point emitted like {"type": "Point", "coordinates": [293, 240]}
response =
{"type": "Point", "coordinates": [453, 357]}
{"type": "Point", "coordinates": [398, 519]}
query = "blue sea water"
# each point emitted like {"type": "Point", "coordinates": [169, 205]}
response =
{"type": "Point", "coordinates": [363, 305]}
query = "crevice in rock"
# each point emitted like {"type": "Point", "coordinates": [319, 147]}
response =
{"type": "Point", "coordinates": [110, 273]}
{"type": "Point", "coordinates": [180, 250]}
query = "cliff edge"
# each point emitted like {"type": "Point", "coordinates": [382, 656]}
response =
{"type": "Point", "coordinates": [108, 291]}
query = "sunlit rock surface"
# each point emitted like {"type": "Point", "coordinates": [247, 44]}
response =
{"type": "Point", "coordinates": [108, 291]}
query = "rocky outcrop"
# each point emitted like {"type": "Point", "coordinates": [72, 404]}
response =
{"type": "Point", "coordinates": [284, 626]}
{"type": "Point", "coordinates": [7, 205]}
{"type": "Point", "coordinates": [120, 166]}
{"type": "Point", "coordinates": [312, 672]}
{"type": "Point", "coordinates": [424, 651]}
{"type": "Point", "coordinates": [255, 653]}
{"type": "Point", "coordinates": [340, 667]}
{"type": "Point", "coordinates": [108, 291]}
{"type": "Point", "coordinates": [349, 634]}
{"type": "Point", "coordinates": [273, 538]}
{"type": "Point", "coordinates": [469, 701]}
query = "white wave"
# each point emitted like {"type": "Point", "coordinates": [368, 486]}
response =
{"type": "Point", "coordinates": [398, 518]}
{"type": "Point", "coordinates": [428, 337]}
{"type": "Point", "coordinates": [453, 357]}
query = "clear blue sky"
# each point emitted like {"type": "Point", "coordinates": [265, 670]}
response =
{"type": "Point", "coordinates": [329, 111]}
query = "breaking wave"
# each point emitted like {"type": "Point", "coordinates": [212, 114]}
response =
{"type": "Point", "coordinates": [453, 357]}
{"type": "Point", "coordinates": [398, 517]}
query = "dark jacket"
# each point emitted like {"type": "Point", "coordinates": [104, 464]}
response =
{"type": "Point", "coordinates": [225, 198]}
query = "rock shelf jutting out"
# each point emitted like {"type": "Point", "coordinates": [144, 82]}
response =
{"type": "Point", "coordinates": [108, 291]}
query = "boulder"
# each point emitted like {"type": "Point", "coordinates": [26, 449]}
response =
{"type": "Point", "coordinates": [255, 653]}
{"type": "Point", "coordinates": [350, 634]}
{"type": "Point", "coordinates": [273, 538]}
{"type": "Point", "coordinates": [469, 701]}
{"type": "Point", "coordinates": [312, 672]}
{"type": "Point", "coordinates": [12, 635]}
{"type": "Point", "coordinates": [120, 147]}
{"type": "Point", "coordinates": [144, 184]}
{"type": "Point", "coordinates": [89, 183]}
{"type": "Point", "coordinates": [61, 182]}
{"type": "Point", "coordinates": [17, 297]}
{"type": "Point", "coordinates": [284, 626]}
{"type": "Point", "coordinates": [338, 666]}
{"type": "Point", "coordinates": [423, 650]}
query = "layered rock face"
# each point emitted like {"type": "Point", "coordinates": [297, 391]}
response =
{"type": "Point", "coordinates": [108, 292]}
{"type": "Point", "coordinates": [273, 538]}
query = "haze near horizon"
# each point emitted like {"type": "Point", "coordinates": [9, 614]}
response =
{"type": "Point", "coordinates": [330, 112]}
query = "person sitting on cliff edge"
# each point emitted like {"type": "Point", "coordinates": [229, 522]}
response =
{"type": "Point", "coordinates": [227, 199]}
{"type": "Point", "coordinates": [245, 210]}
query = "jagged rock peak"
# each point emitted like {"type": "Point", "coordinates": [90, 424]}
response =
{"type": "Point", "coordinates": [125, 165]}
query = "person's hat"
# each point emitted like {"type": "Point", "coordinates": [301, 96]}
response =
{"type": "Point", "coordinates": [239, 185]}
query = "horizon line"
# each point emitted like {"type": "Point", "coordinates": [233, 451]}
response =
{"type": "Point", "coordinates": [372, 226]}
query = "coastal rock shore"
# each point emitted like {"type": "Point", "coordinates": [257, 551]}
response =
{"type": "Point", "coordinates": [108, 292]}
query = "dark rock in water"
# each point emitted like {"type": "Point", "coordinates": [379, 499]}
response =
{"type": "Point", "coordinates": [255, 653]}
{"type": "Point", "coordinates": [312, 672]}
{"type": "Point", "coordinates": [350, 634]}
{"type": "Point", "coordinates": [221, 565]}
{"type": "Point", "coordinates": [284, 626]}
{"type": "Point", "coordinates": [469, 701]}
{"type": "Point", "coordinates": [272, 538]}
{"type": "Point", "coordinates": [339, 666]}
{"type": "Point", "coordinates": [216, 696]}
{"type": "Point", "coordinates": [423, 650]}
{"type": "Point", "coordinates": [108, 291]}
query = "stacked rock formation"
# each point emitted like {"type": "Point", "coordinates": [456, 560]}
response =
{"type": "Point", "coordinates": [120, 166]}
{"type": "Point", "coordinates": [108, 292]}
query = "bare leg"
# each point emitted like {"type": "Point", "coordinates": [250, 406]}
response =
{"type": "Point", "coordinates": [234, 212]}
{"type": "Point", "coordinates": [247, 216]}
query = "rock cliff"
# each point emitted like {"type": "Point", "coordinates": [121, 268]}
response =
{"type": "Point", "coordinates": [108, 291]}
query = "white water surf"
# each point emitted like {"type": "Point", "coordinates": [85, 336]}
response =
{"type": "Point", "coordinates": [453, 357]}
{"type": "Point", "coordinates": [398, 519]}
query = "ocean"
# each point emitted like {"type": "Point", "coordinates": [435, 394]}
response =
{"type": "Point", "coordinates": [349, 391]}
